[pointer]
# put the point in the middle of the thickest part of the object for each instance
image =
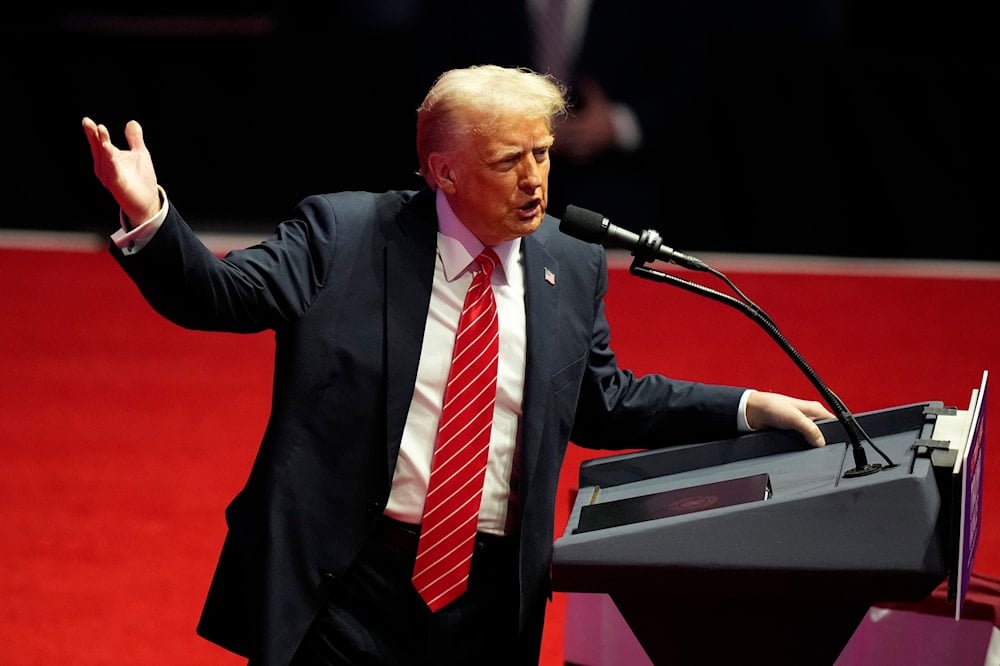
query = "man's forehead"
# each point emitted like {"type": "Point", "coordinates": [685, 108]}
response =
{"type": "Point", "coordinates": [519, 138]}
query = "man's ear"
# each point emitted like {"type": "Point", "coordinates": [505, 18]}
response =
{"type": "Point", "coordinates": [442, 172]}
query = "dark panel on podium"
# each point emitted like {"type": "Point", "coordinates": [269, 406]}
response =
{"type": "Point", "coordinates": [785, 576]}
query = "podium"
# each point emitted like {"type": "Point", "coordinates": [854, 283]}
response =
{"type": "Point", "coordinates": [781, 578]}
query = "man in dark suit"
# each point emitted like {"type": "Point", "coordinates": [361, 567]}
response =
{"type": "Point", "coordinates": [363, 292]}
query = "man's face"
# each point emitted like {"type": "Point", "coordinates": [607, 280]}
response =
{"type": "Point", "coordinates": [497, 183]}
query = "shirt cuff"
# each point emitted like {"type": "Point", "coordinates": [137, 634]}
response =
{"type": "Point", "coordinates": [742, 425]}
{"type": "Point", "coordinates": [130, 239]}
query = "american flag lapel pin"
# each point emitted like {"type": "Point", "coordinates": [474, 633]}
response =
{"type": "Point", "coordinates": [550, 277]}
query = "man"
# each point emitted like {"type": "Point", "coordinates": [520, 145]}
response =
{"type": "Point", "coordinates": [364, 292]}
{"type": "Point", "coordinates": [633, 146]}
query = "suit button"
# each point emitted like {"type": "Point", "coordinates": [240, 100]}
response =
{"type": "Point", "coordinates": [375, 507]}
{"type": "Point", "coordinates": [326, 580]}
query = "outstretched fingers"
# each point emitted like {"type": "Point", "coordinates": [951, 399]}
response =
{"type": "Point", "coordinates": [133, 134]}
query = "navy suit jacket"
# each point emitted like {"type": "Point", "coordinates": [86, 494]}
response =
{"type": "Point", "coordinates": [345, 286]}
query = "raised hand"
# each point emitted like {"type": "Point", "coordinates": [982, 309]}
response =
{"type": "Point", "coordinates": [128, 174]}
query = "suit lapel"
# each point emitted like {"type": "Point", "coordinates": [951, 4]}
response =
{"type": "Point", "coordinates": [541, 291]}
{"type": "Point", "coordinates": [410, 252]}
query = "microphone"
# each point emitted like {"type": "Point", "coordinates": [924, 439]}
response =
{"type": "Point", "coordinates": [595, 228]}
{"type": "Point", "coordinates": [592, 227]}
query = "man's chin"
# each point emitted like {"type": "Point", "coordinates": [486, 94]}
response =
{"type": "Point", "coordinates": [532, 224]}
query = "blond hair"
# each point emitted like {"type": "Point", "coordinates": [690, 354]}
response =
{"type": "Point", "coordinates": [480, 98]}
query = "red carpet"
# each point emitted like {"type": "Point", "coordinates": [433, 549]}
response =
{"type": "Point", "coordinates": [124, 437]}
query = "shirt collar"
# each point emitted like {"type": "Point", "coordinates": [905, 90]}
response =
{"type": "Point", "coordinates": [458, 247]}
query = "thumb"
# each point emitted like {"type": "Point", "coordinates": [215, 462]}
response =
{"type": "Point", "coordinates": [133, 135]}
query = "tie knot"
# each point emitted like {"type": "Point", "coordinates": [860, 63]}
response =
{"type": "Point", "coordinates": [488, 260]}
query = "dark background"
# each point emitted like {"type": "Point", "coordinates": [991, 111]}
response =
{"type": "Point", "coordinates": [825, 127]}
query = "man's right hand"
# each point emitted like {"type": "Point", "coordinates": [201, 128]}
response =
{"type": "Point", "coordinates": [127, 174]}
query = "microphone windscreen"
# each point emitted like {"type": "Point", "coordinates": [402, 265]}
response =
{"type": "Point", "coordinates": [584, 224]}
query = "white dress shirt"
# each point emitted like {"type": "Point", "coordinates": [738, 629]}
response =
{"type": "Point", "coordinates": [456, 254]}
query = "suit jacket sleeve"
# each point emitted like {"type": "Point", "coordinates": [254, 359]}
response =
{"type": "Point", "coordinates": [245, 291]}
{"type": "Point", "coordinates": [617, 409]}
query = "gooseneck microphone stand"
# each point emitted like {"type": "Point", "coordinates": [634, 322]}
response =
{"type": "Point", "coordinates": [648, 250]}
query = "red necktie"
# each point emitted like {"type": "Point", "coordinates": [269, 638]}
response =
{"type": "Point", "coordinates": [448, 527]}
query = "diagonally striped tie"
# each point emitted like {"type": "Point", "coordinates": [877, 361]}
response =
{"type": "Point", "coordinates": [448, 528]}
